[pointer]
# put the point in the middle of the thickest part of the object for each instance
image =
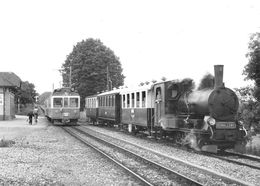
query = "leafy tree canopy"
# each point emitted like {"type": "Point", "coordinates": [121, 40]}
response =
{"type": "Point", "coordinates": [27, 93]}
{"type": "Point", "coordinates": [43, 97]}
{"type": "Point", "coordinates": [252, 69]}
{"type": "Point", "coordinates": [92, 65]}
{"type": "Point", "coordinates": [207, 82]}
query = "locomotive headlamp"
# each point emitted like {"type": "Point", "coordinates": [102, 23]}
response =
{"type": "Point", "coordinates": [211, 121]}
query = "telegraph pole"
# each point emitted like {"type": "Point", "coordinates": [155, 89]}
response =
{"type": "Point", "coordinates": [70, 76]}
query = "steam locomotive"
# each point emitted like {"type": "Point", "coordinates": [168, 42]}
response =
{"type": "Point", "coordinates": [62, 106]}
{"type": "Point", "coordinates": [204, 119]}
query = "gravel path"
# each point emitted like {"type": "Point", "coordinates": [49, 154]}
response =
{"type": "Point", "coordinates": [46, 155]}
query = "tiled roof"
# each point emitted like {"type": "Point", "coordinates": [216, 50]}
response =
{"type": "Point", "coordinates": [9, 79]}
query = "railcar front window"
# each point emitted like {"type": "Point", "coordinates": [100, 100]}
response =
{"type": "Point", "coordinates": [57, 102]}
{"type": "Point", "coordinates": [74, 102]}
{"type": "Point", "coordinates": [66, 102]}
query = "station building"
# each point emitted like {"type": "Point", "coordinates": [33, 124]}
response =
{"type": "Point", "coordinates": [10, 83]}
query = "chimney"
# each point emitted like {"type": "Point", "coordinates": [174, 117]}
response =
{"type": "Point", "coordinates": [219, 75]}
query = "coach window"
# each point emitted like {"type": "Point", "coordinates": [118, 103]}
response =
{"type": "Point", "coordinates": [127, 100]}
{"type": "Point", "coordinates": [113, 100]}
{"type": "Point", "coordinates": [133, 99]}
{"type": "Point", "coordinates": [74, 102]}
{"type": "Point", "coordinates": [137, 99]}
{"type": "Point", "coordinates": [110, 101]}
{"type": "Point", "coordinates": [143, 98]}
{"type": "Point", "coordinates": [57, 102]}
{"type": "Point", "coordinates": [123, 100]}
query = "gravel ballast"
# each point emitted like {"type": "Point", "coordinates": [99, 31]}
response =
{"type": "Point", "coordinates": [236, 171]}
{"type": "Point", "coordinates": [46, 155]}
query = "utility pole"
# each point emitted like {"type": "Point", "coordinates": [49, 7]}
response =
{"type": "Point", "coordinates": [70, 76]}
{"type": "Point", "coordinates": [109, 82]}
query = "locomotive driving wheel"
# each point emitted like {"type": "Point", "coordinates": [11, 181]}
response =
{"type": "Point", "coordinates": [179, 138]}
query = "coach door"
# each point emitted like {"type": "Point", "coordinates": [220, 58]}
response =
{"type": "Point", "coordinates": [158, 105]}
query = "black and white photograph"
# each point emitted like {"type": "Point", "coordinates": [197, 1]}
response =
{"type": "Point", "coordinates": [127, 92]}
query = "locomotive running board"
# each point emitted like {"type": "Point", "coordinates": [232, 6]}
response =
{"type": "Point", "coordinates": [210, 148]}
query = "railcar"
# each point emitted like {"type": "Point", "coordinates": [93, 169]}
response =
{"type": "Point", "coordinates": [63, 106]}
{"type": "Point", "coordinates": [204, 119]}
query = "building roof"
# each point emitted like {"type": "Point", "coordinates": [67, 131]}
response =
{"type": "Point", "coordinates": [9, 79]}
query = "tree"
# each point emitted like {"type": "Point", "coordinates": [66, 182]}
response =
{"type": "Point", "coordinates": [43, 97]}
{"type": "Point", "coordinates": [27, 93]}
{"type": "Point", "coordinates": [206, 82]}
{"type": "Point", "coordinates": [252, 69]}
{"type": "Point", "coordinates": [90, 67]}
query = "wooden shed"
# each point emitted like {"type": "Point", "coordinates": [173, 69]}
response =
{"type": "Point", "coordinates": [9, 85]}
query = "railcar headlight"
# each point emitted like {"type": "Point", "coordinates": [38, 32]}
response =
{"type": "Point", "coordinates": [211, 121]}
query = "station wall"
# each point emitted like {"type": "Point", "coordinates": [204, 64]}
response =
{"type": "Point", "coordinates": [7, 104]}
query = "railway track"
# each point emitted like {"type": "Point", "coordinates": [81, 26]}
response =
{"type": "Point", "coordinates": [231, 157]}
{"type": "Point", "coordinates": [146, 171]}
{"type": "Point", "coordinates": [239, 159]}
{"type": "Point", "coordinates": [201, 175]}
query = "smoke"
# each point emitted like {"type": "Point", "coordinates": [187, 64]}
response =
{"type": "Point", "coordinates": [188, 84]}
{"type": "Point", "coordinates": [207, 82]}
{"type": "Point", "coordinates": [191, 140]}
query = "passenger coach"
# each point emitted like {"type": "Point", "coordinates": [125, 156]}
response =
{"type": "Point", "coordinates": [91, 108]}
{"type": "Point", "coordinates": [109, 107]}
{"type": "Point", "coordinates": [137, 108]}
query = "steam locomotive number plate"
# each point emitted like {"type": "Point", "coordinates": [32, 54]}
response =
{"type": "Point", "coordinates": [225, 125]}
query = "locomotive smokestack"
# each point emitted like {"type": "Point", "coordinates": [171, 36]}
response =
{"type": "Point", "coordinates": [218, 75]}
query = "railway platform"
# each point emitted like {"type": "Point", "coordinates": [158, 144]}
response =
{"type": "Point", "coordinates": [10, 129]}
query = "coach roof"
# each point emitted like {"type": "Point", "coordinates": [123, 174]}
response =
{"type": "Point", "coordinates": [64, 92]}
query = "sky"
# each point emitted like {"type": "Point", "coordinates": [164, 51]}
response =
{"type": "Point", "coordinates": [152, 38]}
